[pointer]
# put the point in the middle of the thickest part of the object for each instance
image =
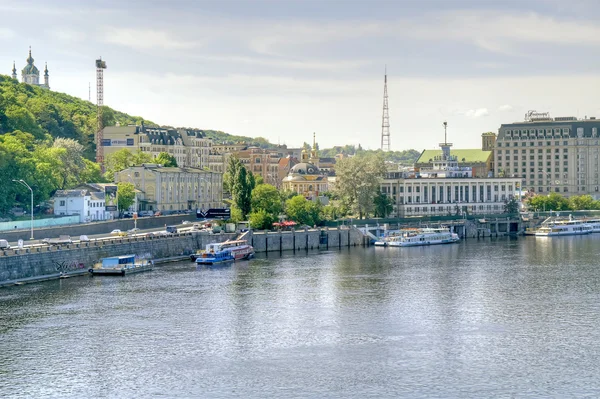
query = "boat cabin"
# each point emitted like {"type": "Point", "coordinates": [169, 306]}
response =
{"type": "Point", "coordinates": [118, 261]}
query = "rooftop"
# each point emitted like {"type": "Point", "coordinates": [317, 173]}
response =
{"type": "Point", "coordinates": [463, 156]}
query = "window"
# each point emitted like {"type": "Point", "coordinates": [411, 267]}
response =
{"type": "Point", "coordinates": [62, 203]}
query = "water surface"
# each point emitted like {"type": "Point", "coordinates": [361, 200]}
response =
{"type": "Point", "coordinates": [482, 318]}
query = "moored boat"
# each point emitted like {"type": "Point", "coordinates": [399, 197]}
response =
{"type": "Point", "coordinates": [223, 252]}
{"type": "Point", "coordinates": [122, 265]}
{"type": "Point", "coordinates": [424, 236]}
{"type": "Point", "coordinates": [564, 228]}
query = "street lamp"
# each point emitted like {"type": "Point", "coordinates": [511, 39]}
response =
{"type": "Point", "coordinates": [22, 182]}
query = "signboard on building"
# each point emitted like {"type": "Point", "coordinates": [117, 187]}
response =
{"type": "Point", "coordinates": [117, 142]}
{"type": "Point", "coordinates": [110, 198]}
{"type": "Point", "coordinates": [214, 213]}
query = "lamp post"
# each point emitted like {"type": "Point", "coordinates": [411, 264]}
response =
{"type": "Point", "coordinates": [135, 204]}
{"type": "Point", "coordinates": [22, 182]}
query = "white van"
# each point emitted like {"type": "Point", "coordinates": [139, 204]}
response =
{"type": "Point", "coordinates": [4, 244]}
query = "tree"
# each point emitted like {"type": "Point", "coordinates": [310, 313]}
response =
{"type": "Point", "coordinates": [261, 220]}
{"type": "Point", "coordinates": [383, 205]}
{"type": "Point", "coordinates": [358, 181]}
{"type": "Point", "coordinates": [166, 160]}
{"type": "Point", "coordinates": [123, 159]}
{"type": "Point", "coordinates": [72, 161]}
{"type": "Point", "coordinates": [551, 202]}
{"type": "Point", "coordinates": [303, 211]}
{"type": "Point", "coordinates": [258, 180]}
{"type": "Point", "coordinates": [241, 183]}
{"type": "Point", "coordinates": [125, 195]}
{"type": "Point", "coordinates": [511, 205]}
{"type": "Point", "coordinates": [266, 197]}
{"type": "Point", "coordinates": [582, 202]}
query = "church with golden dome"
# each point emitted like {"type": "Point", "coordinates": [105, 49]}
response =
{"type": "Point", "coordinates": [305, 178]}
{"type": "Point", "coordinates": [31, 75]}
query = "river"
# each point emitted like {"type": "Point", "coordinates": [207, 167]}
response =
{"type": "Point", "coordinates": [499, 317]}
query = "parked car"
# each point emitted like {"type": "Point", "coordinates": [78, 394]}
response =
{"type": "Point", "coordinates": [133, 231]}
{"type": "Point", "coordinates": [145, 213]}
{"type": "Point", "coordinates": [4, 244]}
{"type": "Point", "coordinates": [171, 229]}
{"type": "Point", "coordinates": [186, 222]}
{"type": "Point", "coordinates": [115, 232]}
{"type": "Point", "coordinates": [62, 239]}
{"type": "Point", "coordinates": [83, 238]}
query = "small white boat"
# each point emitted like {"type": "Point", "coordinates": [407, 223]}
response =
{"type": "Point", "coordinates": [425, 236]}
{"type": "Point", "coordinates": [564, 228]}
{"type": "Point", "coordinates": [122, 265]}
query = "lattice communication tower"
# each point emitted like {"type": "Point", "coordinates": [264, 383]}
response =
{"type": "Point", "coordinates": [100, 67]}
{"type": "Point", "coordinates": [385, 123]}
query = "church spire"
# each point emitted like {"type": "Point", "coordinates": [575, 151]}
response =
{"type": "Point", "coordinates": [14, 71]}
{"type": "Point", "coordinates": [46, 77]}
{"type": "Point", "coordinates": [30, 58]}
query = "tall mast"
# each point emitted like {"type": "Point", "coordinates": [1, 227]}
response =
{"type": "Point", "coordinates": [385, 123]}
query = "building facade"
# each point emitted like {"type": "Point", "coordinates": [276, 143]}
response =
{"type": "Point", "coordinates": [551, 154]}
{"type": "Point", "coordinates": [189, 147]}
{"type": "Point", "coordinates": [89, 205]}
{"type": "Point", "coordinates": [447, 188]}
{"type": "Point", "coordinates": [261, 162]}
{"type": "Point", "coordinates": [174, 189]}
{"type": "Point", "coordinates": [30, 74]}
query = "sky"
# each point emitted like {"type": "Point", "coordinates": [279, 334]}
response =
{"type": "Point", "coordinates": [285, 69]}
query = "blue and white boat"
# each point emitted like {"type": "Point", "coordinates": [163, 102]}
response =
{"type": "Point", "coordinates": [122, 265]}
{"type": "Point", "coordinates": [224, 252]}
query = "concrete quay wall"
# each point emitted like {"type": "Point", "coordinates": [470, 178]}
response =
{"type": "Point", "coordinates": [305, 239]}
{"type": "Point", "coordinates": [37, 262]}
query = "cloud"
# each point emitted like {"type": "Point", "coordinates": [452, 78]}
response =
{"type": "Point", "coordinates": [477, 113]}
{"type": "Point", "coordinates": [505, 108]}
{"type": "Point", "coordinates": [145, 39]}
{"type": "Point", "coordinates": [6, 33]}
{"type": "Point", "coordinates": [67, 35]}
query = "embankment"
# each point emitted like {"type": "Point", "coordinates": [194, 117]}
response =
{"type": "Point", "coordinates": [48, 262]}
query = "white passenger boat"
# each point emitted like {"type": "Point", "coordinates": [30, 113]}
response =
{"type": "Point", "coordinates": [595, 223]}
{"type": "Point", "coordinates": [425, 236]}
{"type": "Point", "coordinates": [122, 265]}
{"type": "Point", "coordinates": [564, 228]}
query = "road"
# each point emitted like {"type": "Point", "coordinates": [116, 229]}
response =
{"type": "Point", "coordinates": [107, 236]}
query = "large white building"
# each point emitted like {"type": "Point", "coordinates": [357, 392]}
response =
{"type": "Point", "coordinates": [174, 189]}
{"type": "Point", "coordinates": [447, 189]}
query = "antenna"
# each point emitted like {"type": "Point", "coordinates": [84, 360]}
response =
{"type": "Point", "coordinates": [445, 132]}
{"type": "Point", "coordinates": [89, 91]}
{"type": "Point", "coordinates": [100, 67]}
{"type": "Point", "coordinates": [385, 123]}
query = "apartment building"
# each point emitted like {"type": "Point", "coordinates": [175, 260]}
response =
{"type": "Point", "coordinates": [174, 189]}
{"type": "Point", "coordinates": [551, 154]}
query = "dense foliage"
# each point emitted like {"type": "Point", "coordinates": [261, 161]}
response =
{"type": "Point", "coordinates": [47, 140]}
{"type": "Point", "coordinates": [407, 157]}
{"type": "Point", "coordinates": [556, 202]}
{"type": "Point", "coordinates": [358, 181]}
{"type": "Point", "coordinates": [240, 183]}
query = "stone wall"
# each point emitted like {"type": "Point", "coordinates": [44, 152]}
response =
{"type": "Point", "coordinates": [42, 261]}
{"type": "Point", "coordinates": [305, 239]}
{"type": "Point", "coordinates": [49, 261]}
